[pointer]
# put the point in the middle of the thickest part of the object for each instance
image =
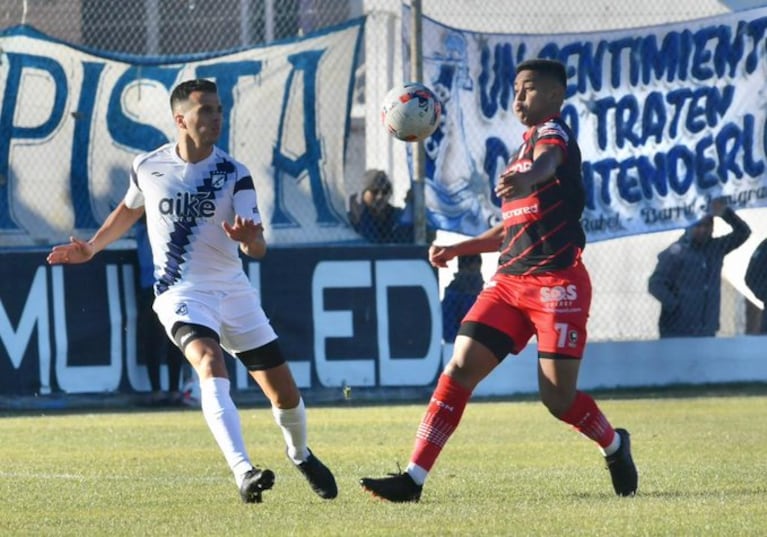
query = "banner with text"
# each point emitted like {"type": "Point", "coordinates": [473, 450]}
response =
{"type": "Point", "coordinates": [73, 119]}
{"type": "Point", "coordinates": [667, 117]}
{"type": "Point", "coordinates": [350, 316]}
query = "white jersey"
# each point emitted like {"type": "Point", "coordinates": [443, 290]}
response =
{"type": "Point", "coordinates": [185, 205]}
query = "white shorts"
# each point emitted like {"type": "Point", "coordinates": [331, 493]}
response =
{"type": "Point", "coordinates": [236, 316]}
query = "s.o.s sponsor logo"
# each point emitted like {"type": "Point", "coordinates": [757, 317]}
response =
{"type": "Point", "coordinates": [559, 294]}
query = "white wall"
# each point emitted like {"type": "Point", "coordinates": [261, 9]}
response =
{"type": "Point", "coordinates": [608, 365]}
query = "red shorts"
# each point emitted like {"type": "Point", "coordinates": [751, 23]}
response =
{"type": "Point", "coordinates": [552, 306]}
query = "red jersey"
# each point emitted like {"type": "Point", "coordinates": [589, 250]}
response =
{"type": "Point", "coordinates": [542, 224]}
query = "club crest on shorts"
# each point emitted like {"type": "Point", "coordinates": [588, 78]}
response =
{"type": "Point", "coordinates": [572, 338]}
{"type": "Point", "coordinates": [181, 309]}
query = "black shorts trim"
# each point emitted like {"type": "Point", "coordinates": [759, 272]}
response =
{"type": "Point", "coordinates": [265, 357]}
{"type": "Point", "coordinates": [184, 333]}
{"type": "Point", "coordinates": [556, 356]}
{"type": "Point", "coordinates": [499, 343]}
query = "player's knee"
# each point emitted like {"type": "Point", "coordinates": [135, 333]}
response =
{"type": "Point", "coordinates": [466, 373]}
{"type": "Point", "coordinates": [554, 409]}
{"type": "Point", "coordinates": [557, 403]}
{"type": "Point", "coordinates": [286, 398]}
{"type": "Point", "coordinates": [265, 357]}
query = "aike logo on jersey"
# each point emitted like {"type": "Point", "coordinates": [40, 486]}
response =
{"type": "Point", "coordinates": [189, 206]}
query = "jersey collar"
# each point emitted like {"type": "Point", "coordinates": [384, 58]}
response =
{"type": "Point", "coordinates": [529, 132]}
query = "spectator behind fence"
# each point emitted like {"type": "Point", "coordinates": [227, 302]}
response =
{"type": "Point", "coordinates": [687, 278]}
{"type": "Point", "coordinates": [460, 294]}
{"type": "Point", "coordinates": [756, 279]}
{"type": "Point", "coordinates": [153, 345]}
{"type": "Point", "coordinates": [373, 216]}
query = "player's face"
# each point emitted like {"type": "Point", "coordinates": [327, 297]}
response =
{"type": "Point", "coordinates": [201, 117]}
{"type": "Point", "coordinates": [536, 97]}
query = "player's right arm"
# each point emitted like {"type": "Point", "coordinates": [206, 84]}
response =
{"type": "Point", "coordinates": [547, 157]}
{"type": "Point", "coordinates": [489, 241]}
{"type": "Point", "coordinates": [115, 226]}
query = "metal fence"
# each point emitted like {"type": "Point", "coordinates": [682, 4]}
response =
{"type": "Point", "coordinates": [622, 307]}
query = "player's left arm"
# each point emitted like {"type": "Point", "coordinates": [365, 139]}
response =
{"type": "Point", "coordinates": [246, 228]}
{"type": "Point", "coordinates": [547, 157]}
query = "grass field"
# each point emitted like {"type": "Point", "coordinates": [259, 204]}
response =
{"type": "Point", "coordinates": [509, 470]}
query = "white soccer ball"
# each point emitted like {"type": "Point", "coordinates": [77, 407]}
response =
{"type": "Point", "coordinates": [190, 392]}
{"type": "Point", "coordinates": [411, 112]}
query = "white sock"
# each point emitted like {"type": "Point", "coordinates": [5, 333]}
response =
{"type": "Point", "coordinates": [417, 473]}
{"type": "Point", "coordinates": [224, 422]}
{"type": "Point", "coordinates": [292, 422]}
{"type": "Point", "coordinates": [614, 446]}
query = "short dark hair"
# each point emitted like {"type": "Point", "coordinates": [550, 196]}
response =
{"type": "Point", "coordinates": [181, 92]}
{"type": "Point", "coordinates": [553, 68]}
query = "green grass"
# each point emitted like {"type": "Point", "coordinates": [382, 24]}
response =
{"type": "Point", "coordinates": [510, 469]}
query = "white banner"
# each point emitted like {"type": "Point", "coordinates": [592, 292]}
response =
{"type": "Point", "coordinates": [72, 120]}
{"type": "Point", "coordinates": [667, 117]}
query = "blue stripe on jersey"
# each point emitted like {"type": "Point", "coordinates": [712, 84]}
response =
{"type": "Point", "coordinates": [246, 183]}
{"type": "Point", "coordinates": [174, 255]}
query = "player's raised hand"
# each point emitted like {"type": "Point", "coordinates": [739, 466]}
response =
{"type": "Point", "coordinates": [440, 255]}
{"type": "Point", "coordinates": [243, 230]}
{"type": "Point", "coordinates": [76, 251]}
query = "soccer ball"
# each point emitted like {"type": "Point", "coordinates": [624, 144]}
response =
{"type": "Point", "coordinates": [190, 392]}
{"type": "Point", "coordinates": [411, 112]}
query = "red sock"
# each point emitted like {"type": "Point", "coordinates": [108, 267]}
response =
{"type": "Point", "coordinates": [586, 418]}
{"type": "Point", "coordinates": [442, 416]}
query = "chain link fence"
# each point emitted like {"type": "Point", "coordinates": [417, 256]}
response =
{"type": "Point", "coordinates": [620, 268]}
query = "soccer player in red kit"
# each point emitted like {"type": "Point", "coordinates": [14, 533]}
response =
{"type": "Point", "coordinates": [541, 288]}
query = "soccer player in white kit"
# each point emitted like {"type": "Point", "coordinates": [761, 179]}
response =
{"type": "Point", "coordinates": [201, 206]}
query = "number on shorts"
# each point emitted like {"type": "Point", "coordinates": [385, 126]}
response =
{"type": "Point", "coordinates": [561, 329]}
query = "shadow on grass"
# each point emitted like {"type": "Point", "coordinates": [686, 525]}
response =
{"type": "Point", "coordinates": [755, 490]}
